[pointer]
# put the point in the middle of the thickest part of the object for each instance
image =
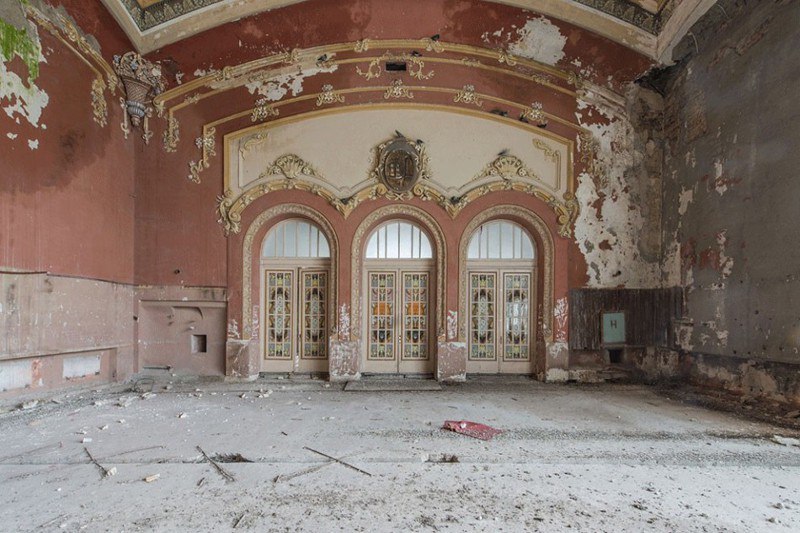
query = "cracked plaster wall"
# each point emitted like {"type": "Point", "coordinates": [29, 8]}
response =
{"type": "Point", "coordinates": [731, 196]}
{"type": "Point", "coordinates": [66, 209]}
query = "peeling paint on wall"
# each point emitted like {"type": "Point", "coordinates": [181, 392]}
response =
{"type": "Point", "coordinates": [275, 88]}
{"type": "Point", "coordinates": [561, 313]}
{"type": "Point", "coordinates": [619, 228]}
{"type": "Point", "coordinates": [344, 322]}
{"type": "Point", "coordinates": [539, 40]}
{"type": "Point", "coordinates": [233, 329]}
{"type": "Point", "coordinates": [20, 99]}
{"type": "Point", "coordinates": [452, 325]}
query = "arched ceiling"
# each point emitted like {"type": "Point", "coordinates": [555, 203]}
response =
{"type": "Point", "coordinates": [650, 27]}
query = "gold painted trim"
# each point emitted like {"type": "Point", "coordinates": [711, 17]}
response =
{"type": "Point", "coordinates": [429, 224]}
{"type": "Point", "coordinates": [247, 258]}
{"type": "Point", "coordinates": [535, 224]}
{"type": "Point", "coordinates": [207, 145]}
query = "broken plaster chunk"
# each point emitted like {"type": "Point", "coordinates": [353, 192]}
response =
{"type": "Point", "coordinates": [150, 479]}
{"type": "Point", "coordinates": [148, 395]}
{"type": "Point", "coordinates": [30, 404]}
{"type": "Point", "coordinates": [786, 441]}
{"type": "Point", "coordinates": [103, 428]}
{"type": "Point", "coordinates": [111, 471]}
{"type": "Point", "coordinates": [86, 440]}
{"type": "Point", "coordinates": [182, 415]}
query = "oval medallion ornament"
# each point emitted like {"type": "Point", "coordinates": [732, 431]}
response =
{"type": "Point", "coordinates": [400, 164]}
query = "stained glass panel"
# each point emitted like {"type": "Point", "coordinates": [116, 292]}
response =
{"type": "Point", "coordinates": [482, 316]}
{"type": "Point", "coordinates": [516, 317]}
{"type": "Point", "coordinates": [415, 316]}
{"type": "Point", "coordinates": [315, 291]}
{"type": "Point", "coordinates": [381, 316]}
{"type": "Point", "coordinates": [279, 315]}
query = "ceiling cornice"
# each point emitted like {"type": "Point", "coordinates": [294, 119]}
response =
{"type": "Point", "coordinates": [631, 24]}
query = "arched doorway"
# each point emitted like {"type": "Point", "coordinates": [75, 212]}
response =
{"type": "Point", "coordinates": [399, 288]}
{"type": "Point", "coordinates": [296, 291]}
{"type": "Point", "coordinates": [501, 299]}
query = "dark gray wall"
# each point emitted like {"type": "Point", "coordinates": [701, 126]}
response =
{"type": "Point", "coordinates": [649, 316]}
{"type": "Point", "coordinates": [732, 181]}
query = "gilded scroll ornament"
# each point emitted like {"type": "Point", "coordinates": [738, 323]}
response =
{"type": "Point", "coordinates": [507, 58]}
{"type": "Point", "coordinates": [467, 96]}
{"type": "Point", "coordinates": [171, 134]}
{"type": "Point", "coordinates": [329, 96]}
{"type": "Point", "coordinates": [252, 141]}
{"type": "Point", "coordinates": [506, 167]}
{"type": "Point", "coordinates": [361, 46]}
{"type": "Point", "coordinates": [263, 110]}
{"type": "Point", "coordinates": [207, 144]}
{"type": "Point", "coordinates": [432, 45]}
{"type": "Point", "coordinates": [291, 166]}
{"type": "Point", "coordinates": [574, 80]}
{"type": "Point", "coordinates": [398, 90]}
{"type": "Point", "coordinates": [99, 105]}
{"type": "Point", "coordinates": [549, 152]}
{"type": "Point", "coordinates": [535, 114]}
{"type": "Point", "coordinates": [414, 64]}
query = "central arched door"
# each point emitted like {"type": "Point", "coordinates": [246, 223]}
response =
{"type": "Point", "coordinates": [399, 282]}
{"type": "Point", "coordinates": [295, 281]}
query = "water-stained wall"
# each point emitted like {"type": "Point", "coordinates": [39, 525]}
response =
{"type": "Point", "coordinates": [66, 200]}
{"type": "Point", "coordinates": [731, 197]}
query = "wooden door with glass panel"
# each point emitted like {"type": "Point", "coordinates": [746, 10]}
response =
{"type": "Point", "coordinates": [295, 301]}
{"type": "Point", "coordinates": [398, 335]}
{"type": "Point", "coordinates": [296, 320]}
{"type": "Point", "coordinates": [501, 300]}
{"type": "Point", "coordinates": [398, 301]}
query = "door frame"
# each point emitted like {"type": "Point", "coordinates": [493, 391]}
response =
{"type": "Point", "coordinates": [297, 265]}
{"type": "Point", "coordinates": [398, 267]}
{"type": "Point", "coordinates": [501, 268]}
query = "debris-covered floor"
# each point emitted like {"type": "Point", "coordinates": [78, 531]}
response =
{"type": "Point", "coordinates": [585, 458]}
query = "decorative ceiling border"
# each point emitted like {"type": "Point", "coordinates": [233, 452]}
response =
{"type": "Point", "coordinates": [165, 11]}
{"type": "Point", "coordinates": [203, 15]}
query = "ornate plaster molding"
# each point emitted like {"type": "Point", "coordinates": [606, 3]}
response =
{"type": "Point", "coordinates": [329, 96]}
{"type": "Point", "coordinates": [506, 167]}
{"type": "Point", "coordinates": [532, 223]}
{"type": "Point", "coordinates": [247, 260]}
{"type": "Point", "coordinates": [207, 144]}
{"type": "Point", "coordinates": [467, 96]}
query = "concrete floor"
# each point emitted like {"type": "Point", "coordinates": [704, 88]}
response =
{"type": "Point", "coordinates": [572, 458]}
